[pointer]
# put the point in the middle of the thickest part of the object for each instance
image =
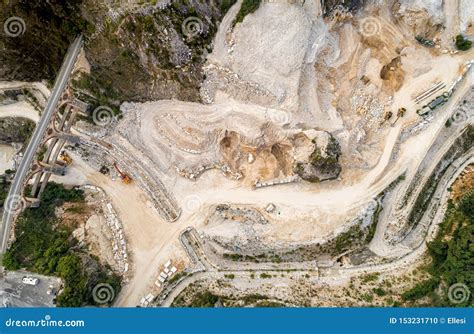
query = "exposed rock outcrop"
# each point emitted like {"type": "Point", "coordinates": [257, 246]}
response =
{"type": "Point", "coordinates": [15, 130]}
{"type": "Point", "coordinates": [317, 156]}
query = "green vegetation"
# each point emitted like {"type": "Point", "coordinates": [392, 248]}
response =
{"type": "Point", "coordinates": [462, 43]}
{"type": "Point", "coordinates": [248, 7]}
{"type": "Point", "coordinates": [461, 145]}
{"type": "Point", "coordinates": [253, 298]}
{"type": "Point", "coordinates": [402, 177]}
{"type": "Point", "coordinates": [421, 289]}
{"type": "Point", "coordinates": [204, 299]}
{"type": "Point", "coordinates": [4, 188]}
{"type": "Point", "coordinates": [229, 276]}
{"type": "Point", "coordinates": [262, 257]}
{"type": "Point", "coordinates": [373, 223]}
{"type": "Point", "coordinates": [46, 246]}
{"type": "Point", "coordinates": [367, 297]}
{"type": "Point", "coordinates": [178, 277]}
{"type": "Point", "coordinates": [267, 303]}
{"type": "Point", "coordinates": [264, 275]}
{"type": "Point", "coordinates": [452, 255]}
{"type": "Point", "coordinates": [330, 163]}
{"type": "Point", "coordinates": [209, 299]}
{"type": "Point", "coordinates": [344, 240]}
{"type": "Point", "coordinates": [370, 277]}
{"type": "Point", "coordinates": [466, 206]}
{"type": "Point", "coordinates": [102, 91]}
{"type": "Point", "coordinates": [379, 292]}
{"type": "Point", "coordinates": [226, 4]}
{"type": "Point", "coordinates": [41, 152]}
{"type": "Point", "coordinates": [321, 166]}
{"type": "Point", "coordinates": [16, 130]}
{"type": "Point", "coordinates": [26, 130]}
{"type": "Point", "coordinates": [55, 23]}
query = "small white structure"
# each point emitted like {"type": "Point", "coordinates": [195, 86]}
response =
{"type": "Point", "coordinates": [270, 208]}
{"type": "Point", "coordinates": [149, 298]}
{"type": "Point", "coordinates": [30, 280]}
{"type": "Point", "coordinates": [251, 158]}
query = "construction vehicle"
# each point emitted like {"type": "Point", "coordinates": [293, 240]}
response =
{"type": "Point", "coordinates": [387, 116]}
{"type": "Point", "coordinates": [65, 158]}
{"type": "Point", "coordinates": [400, 113]}
{"type": "Point", "coordinates": [125, 178]}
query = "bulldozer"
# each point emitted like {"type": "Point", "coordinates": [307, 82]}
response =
{"type": "Point", "coordinates": [125, 178]}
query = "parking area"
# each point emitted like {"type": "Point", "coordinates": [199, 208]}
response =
{"type": "Point", "coordinates": [15, 293]}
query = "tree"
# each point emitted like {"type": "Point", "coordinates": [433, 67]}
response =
{"type": "Point", "coordinates": [462, 43]}
{"type": "Point", "coordinates": [467, 206]}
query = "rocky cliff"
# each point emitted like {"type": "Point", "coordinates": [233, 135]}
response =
{"type": "Point", "coordinates": [136, 52]}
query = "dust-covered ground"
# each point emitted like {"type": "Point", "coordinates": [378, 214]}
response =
{"type": "Point", "coordinates": [303, 121]}
{"type": "Point", "coordinates": [269, 83]}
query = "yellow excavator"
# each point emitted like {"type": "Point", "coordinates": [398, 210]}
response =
{"type": "Point", "coordinates": [65, 158]}
{"type": "Point", "coordinates": [125, 178]}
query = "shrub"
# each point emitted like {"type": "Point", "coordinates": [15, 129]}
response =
{"type": "Point", "coordinates": [462, 43]}
{"type": "Point", "coordinates": [422, 289]}
{"type": "Point", "coordinates": [248, 7]}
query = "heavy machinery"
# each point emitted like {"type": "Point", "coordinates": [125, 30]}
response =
{"type": "Point", "coordinates": [400, 113]}
{"type": "Point", "coordinates": [125, 178]}
{"type": "Point", "coordinates": [65, 158]}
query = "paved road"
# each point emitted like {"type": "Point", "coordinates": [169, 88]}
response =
{"type": "Point", "coordinates": [17, 184]}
